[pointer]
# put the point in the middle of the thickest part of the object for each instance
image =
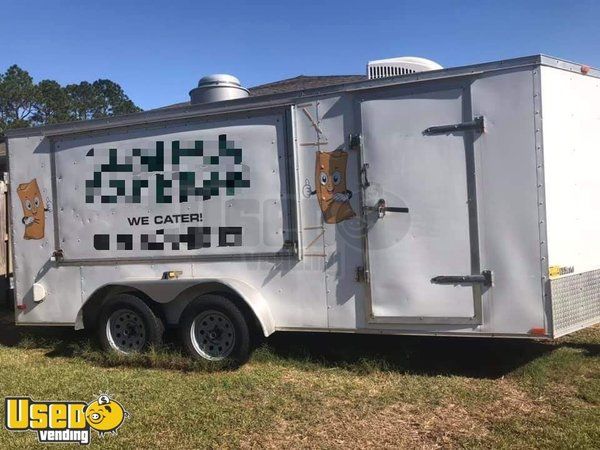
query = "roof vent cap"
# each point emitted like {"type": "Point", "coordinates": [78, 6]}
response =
{"type": "Point", "coordinates": [404, 65]}
{"type": "Point", "coordinates": [217, 88]}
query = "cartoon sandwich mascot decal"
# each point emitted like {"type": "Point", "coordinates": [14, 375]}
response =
{"type": "Point", "coordinates": [331, 191]}
{"type": "Point", "coordinates": [33, 210]}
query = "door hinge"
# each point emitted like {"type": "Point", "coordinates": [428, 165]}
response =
{"type": "Point", "coordinates": [485, 279]}
{"type": "Point", "coordinates": [354, 141]}
{"type": "Point", "coordinates": [57, 255]}
{"type": "Point", "coordinates": [362, 275]}
{"type": "Point", "coordinates": [290, 246]}
{"type": "Point", "coordinates": [364, 179]}
{"type": "Point", "coordinates": [477, 124]}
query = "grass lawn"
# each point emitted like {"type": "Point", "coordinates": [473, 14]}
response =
{"type": "Point", "coordinates": [321, 390]}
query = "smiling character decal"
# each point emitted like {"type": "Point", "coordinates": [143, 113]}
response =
{"type": "Point", "coordinates": [105, 415]}
{"type": "Point", "coordinates": [330, 180]}
{"type": "Point", "coordinates": [33, 210]}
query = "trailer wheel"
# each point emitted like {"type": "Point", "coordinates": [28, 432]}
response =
{"type": "Point", "coordinates": [214, 329]}
{"type": "Point", "coordinates": [127, 325]}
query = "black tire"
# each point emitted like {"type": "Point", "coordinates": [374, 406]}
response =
{"type": "Point", "coordinates": [125, 317]}
{"type": "Point", "coordinates": [229, 340]}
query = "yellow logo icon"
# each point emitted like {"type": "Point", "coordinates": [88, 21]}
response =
{"type": "Point", "coordinates": [105, 415]}
{"type": "Point", "coordinates": [64, 421]}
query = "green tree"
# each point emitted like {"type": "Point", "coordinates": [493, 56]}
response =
{"type": "Point", "coordinates": [24, 103]}
{"type": "Point", "coordinates": [82, 101]}
{"type": "Point", "coordinates": [52, 103]}
{"type": "Point", "coordinates": [17, 98]}
{"type": "Point", "coordinates": [111, 100]}
{"type": "Point", "coordinates": [102, 98]}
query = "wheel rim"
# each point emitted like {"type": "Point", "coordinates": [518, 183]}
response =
{"type": "Point", "coordinates": [212, 335]}
{"type": "Point", "coordinates": [125, 331]}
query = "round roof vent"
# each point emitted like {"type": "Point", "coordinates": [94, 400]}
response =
{"type": "Point", "coordinates": [217, 88]}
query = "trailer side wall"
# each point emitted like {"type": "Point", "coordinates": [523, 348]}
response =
{"type": "Point", "coordinates": [308, 269]}
{"type": "Point", "coordinates": [571, 131]}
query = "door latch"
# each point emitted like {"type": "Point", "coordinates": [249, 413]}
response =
{"type": "Point", "coordinates": [381, 208]}
{"type": "Point", "coordinates": [485, 279]}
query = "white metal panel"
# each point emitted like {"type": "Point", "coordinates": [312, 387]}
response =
{"type": "Point", "coordinates": [343, 240]}
{"type": "Point", "coordinates": [428, 175]}
{"type": "Point", "coordinates": [30, 170]}
{"type": "Point", "coordinates": [508, 202]}
{"type": "Point", "coordinates": [572, 161]}
{"type": "Point", "coordinates": [197, 189]}
{"type": "Point", "coordinates": [293, 290]}
{"type": "Point", "coordinates": [307, 141]}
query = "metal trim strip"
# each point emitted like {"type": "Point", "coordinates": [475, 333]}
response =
{"type": "Point", "coordinates": [175, 258]}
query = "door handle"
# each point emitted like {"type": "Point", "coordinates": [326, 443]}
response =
{"type": "Point", "coordinates": [485, 279]}
{"type": "Point", "coordinates": [382, 208]}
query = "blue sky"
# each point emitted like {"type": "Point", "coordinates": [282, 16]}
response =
{"type": "Point", "coordinates": [158, 50]}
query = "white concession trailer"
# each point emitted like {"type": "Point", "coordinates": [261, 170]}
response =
{"type": "Point", "coordinates": [449, 202]}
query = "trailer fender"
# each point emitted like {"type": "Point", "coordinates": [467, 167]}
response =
{"type": "Point", "coordinates": [176, 295]}
{"type": "Point", "coordinates": [255, 301]}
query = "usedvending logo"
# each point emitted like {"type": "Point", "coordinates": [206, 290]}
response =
{"type": "Point", "coordinates": [64, 422]}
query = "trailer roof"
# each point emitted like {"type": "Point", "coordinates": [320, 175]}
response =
{"type": "Point", "coordinates": [277, 94]}
{"type": "Point", "coordinates": [299, 83]}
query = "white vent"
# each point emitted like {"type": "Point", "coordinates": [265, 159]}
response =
{"type": "Point", "coordinates": [405, 65]}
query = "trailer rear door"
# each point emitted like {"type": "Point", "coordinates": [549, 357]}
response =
{"type": "Point", "coordinates": [419, 207]}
